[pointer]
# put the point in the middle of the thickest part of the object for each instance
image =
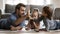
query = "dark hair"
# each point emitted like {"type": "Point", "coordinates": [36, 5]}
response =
{"type": "Point", "coordinates": [18, 6]}
{"type": "Point", "coordinates": [47, 11]}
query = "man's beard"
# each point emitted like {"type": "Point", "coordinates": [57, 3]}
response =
{"type": "Point", "coordinates": [21, 15]}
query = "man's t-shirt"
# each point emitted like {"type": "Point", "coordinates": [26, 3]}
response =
{"type": "Point", "coordinates": [13, 18]}
{"type": "Point", "coordinates": [10, 21]}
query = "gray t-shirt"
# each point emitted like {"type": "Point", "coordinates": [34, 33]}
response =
{"type": "Point", "coordinates": [51, 24]}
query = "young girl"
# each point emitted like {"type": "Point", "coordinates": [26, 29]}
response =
{"type": "Point", "coordinates": [33, 20]}
{"type": "Point", "coordinates": [47, 19]}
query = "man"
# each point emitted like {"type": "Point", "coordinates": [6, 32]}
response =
{"type": "Point", "coordinates": [16, 20]}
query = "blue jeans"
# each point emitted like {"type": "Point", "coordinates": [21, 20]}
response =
{"type": "Point", "coordinates": [58, 25]}
{"type": "Point", "coordinates": [4, 24]}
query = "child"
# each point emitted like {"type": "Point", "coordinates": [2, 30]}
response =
{"type": "Point", "coordinates": [47, 19]}
{"type": "Point", "coordinates": [33, 21]}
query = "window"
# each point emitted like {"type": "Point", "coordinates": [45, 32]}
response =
{"type": "Point", "coordinates": [9, 2]}
{"type": "Point", "coordinates": [48, 2]}
{"type": "Point", "coordinates": [37, 2]}
{"type": "Point", "coordinates": [14, 2]}
{"type": "Point", "coordinates": [31, 2]}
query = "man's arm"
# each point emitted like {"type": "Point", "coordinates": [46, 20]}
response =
{"type": "Point", "coordinates": [15, 28]}
{"type": "Point", "coordinates": [19, 20]}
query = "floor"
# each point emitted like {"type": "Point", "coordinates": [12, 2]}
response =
{"type": "Point", "coordinates": [30, 32]}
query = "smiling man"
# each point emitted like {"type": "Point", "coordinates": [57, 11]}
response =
{"type": "Point", "coordinates": [17, 19]}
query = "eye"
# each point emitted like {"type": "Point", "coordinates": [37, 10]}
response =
{"type": "Point", "coordinates": [23, 10]}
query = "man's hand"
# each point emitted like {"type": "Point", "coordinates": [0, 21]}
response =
{"type": "Point", "coordinates": [13, 28]}
{"type": "Point", "coordinates": [18, 28]}
{"type": "Point", "coordinates": [28, 13]}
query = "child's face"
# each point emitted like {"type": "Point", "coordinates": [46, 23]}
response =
{"type": "Point", "coordinates": [35, 14]}
{"type": "Point", "coordinates": [44, 14]}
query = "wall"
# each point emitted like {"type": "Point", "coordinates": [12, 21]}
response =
{"type": "Point", "coordinates": [56, 3]}
{"type": "Point", "coordinates": [1, 4]}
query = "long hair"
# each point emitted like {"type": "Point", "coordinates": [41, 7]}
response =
{"type": "Point", "coordinates": [47, 10]}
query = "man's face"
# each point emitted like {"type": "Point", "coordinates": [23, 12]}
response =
{"type": "Point", "coordinates": [21, 12]}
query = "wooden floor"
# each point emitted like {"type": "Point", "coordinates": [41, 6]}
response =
{"type": "Point", "coordinates": [30, 32]}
